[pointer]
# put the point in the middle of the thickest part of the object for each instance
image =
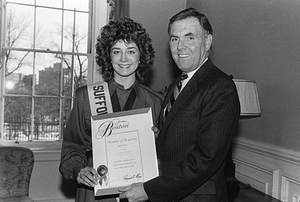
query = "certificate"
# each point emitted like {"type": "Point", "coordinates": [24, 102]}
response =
{"type": "Point", "coordinates": [123, 149]}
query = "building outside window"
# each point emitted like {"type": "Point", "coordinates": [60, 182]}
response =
{"type": "Point", "coordinates": [46, 49]}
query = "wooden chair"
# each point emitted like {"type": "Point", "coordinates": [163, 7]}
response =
{"type": "Point", "coordinates": [16, 164]}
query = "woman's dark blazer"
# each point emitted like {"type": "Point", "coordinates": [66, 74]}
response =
{"type": "Point", "coordinates": [195, 139]}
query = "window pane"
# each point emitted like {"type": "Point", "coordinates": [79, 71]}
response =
{"type": "Point", "coordinates": [49, 80]}
{"type": "Point", "coordinates": [19, 26]}
{"type": "Point", "coordinates": [21, 1]}
{"type": "Point", "coordinates": [81, 5]}
{"type": "Point", "coordinates": [51, 3]}
{"type": "Point", "coordinates": [17, 118]}
{"type": "Point", "coordinates": [67, 75]}
{"type": "Point", "coordinates": [18, 72]}
{"type": "Point", "coordinates": [48, 71]}
{"type": "Point", "coordinates": [77, 34]}
{"type": "Point", "coordinates": [77, 64]}
{"type": "Point", "coordinates": [80, 69]}
{"type": "Point", "coordinates": [66, 109]}
{"type": "Point", "coordinates": [46, 119]}
{"type": "Point", "coordinates": [48, 31]}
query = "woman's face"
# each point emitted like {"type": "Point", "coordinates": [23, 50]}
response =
{"type": "Point", "coordinates": [125, 58]}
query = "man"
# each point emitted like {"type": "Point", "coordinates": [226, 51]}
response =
{"type": "Point", "coordinates": [197, 131]}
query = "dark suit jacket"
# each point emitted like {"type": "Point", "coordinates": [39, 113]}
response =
{"type": "Point", "coordinates": [195, 138]}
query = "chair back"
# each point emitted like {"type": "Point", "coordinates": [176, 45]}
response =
{"type": "Point", "coordinates": [16, 164]}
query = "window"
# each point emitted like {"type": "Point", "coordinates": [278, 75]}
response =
{"type": "Point", "coordinates": [46, 48]}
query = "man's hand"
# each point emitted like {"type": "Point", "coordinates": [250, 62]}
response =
{"type": "Point", "coordinates": [88, 176]}
{"type": "Point", "coordinates": [134, 193]}
{"type": "Point", "coordinates": [155, 130]}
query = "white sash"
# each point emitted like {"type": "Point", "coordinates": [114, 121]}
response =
{"type": "Point", "coordinates": [99, 98]}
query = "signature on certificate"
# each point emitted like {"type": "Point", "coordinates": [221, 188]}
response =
{"type": "Point", "coordinates": [135, 177]}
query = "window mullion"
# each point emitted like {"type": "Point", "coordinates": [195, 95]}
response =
{"type": "Point", "coordinates": [34, 76]}
{"type": "Point", "coordinates": [72, 62]}
{"type": "Point", "coordinates": [2, 68]}
{"type": "Point", "coordinates": [61, 96]}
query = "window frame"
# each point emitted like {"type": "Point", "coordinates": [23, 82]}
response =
{"type": "Point", "coordinates": [98, 17]}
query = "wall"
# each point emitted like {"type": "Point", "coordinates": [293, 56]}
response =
{"type": "Point", "coordinates": [259, 40]}
{"type": "Point", "coordinates": [155, 15]}
{"type": "Point", "coordinates": [272, 170]}
{"type": "Point", "coordinates": [253, 39]}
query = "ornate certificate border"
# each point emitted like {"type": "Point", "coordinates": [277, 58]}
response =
{"type": "Point", "coordinates": [123, 149]}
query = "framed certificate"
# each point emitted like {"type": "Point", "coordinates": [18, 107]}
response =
{"type": "Point", "coordinates": [123, 149]}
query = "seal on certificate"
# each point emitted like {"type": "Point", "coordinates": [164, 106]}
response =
{"type": "Point", "coordinates": [102, 171]}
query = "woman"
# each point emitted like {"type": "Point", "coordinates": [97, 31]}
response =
{"type": "Point", "coordinates": [125, 54]}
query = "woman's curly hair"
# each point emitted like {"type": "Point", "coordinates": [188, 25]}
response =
{"type": "Point", "coordinates": [130, 31]}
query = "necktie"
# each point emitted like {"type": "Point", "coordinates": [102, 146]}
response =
{"type": "Point", "coordinates": [175, 93]}
{"type": "Point", "coordinates": [179, 85]}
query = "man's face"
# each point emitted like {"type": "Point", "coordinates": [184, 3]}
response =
{"type": "Point", "coordinates": [189, 44]}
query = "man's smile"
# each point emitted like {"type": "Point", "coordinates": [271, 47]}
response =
{"type": "Point", "coordinates": [183, 55]}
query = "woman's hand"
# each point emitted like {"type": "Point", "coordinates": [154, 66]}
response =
{"type": "Point", "coordinates": [88, 176]}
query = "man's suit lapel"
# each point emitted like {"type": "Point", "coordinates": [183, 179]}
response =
{"type": "Point", "coordinates": [189, 89]}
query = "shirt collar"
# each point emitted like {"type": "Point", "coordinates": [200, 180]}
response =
{"type": "Point", "coordinates": [113, 85]}
{"type": "Point", "coordinates": [190, 74]}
